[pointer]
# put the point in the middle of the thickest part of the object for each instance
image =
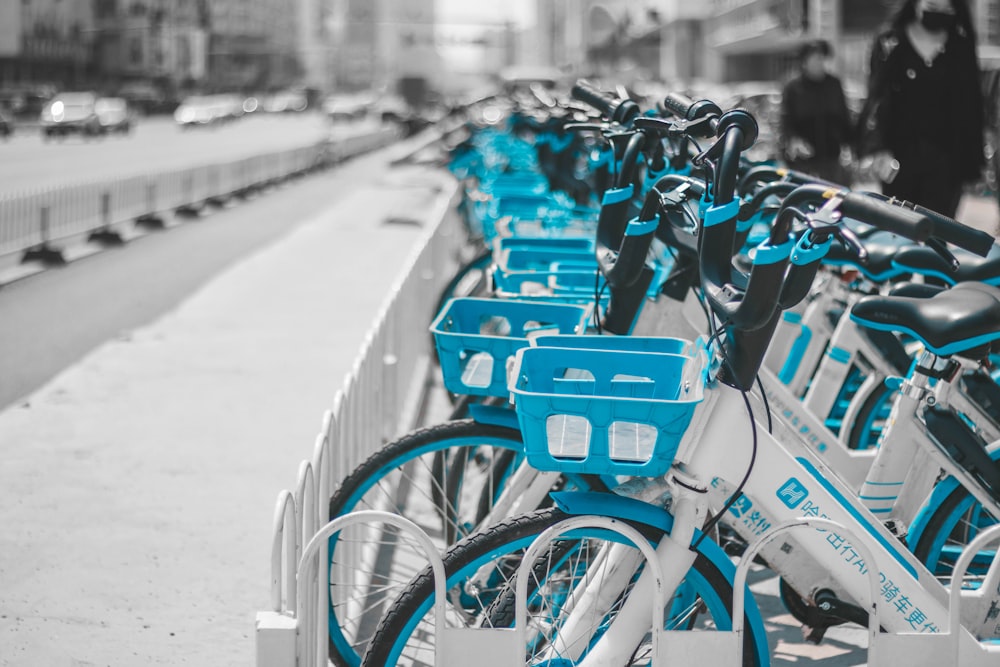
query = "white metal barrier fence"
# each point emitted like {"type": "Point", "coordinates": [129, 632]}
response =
{"type": "Point", "coordinates": [35, 218]}
{"type": "Point", "coordinates": [380, 399]}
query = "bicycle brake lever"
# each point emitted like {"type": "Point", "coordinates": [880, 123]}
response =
{"type": "Point", "coordinates": [827, 221]}
{"type": "Point", "coordinates": [661, 125]}
{"type": "Point", "coordinates": [852, 242]}
{"type": "Point", "coordinates": [941, 249]}
{"type": "Point", "coordinates": [675, 196]}
{"type": "Point", "coordinates": [699, 127]}
{"type": "Point", "coordinates": [585, 127]}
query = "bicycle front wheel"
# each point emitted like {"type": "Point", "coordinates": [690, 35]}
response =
{"type": "Point", "coordinates": [445, 479]}
{"type": "Point", "coordinates": [480, 573]}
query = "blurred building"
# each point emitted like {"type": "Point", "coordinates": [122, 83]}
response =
{"type": "Point", "coordinates": [181, 45]}
{"type": "Point", "coordinates": [720, 41]}
{"type": "Point", "coordinates": [758, 39]}
{"type": "Point", "coordinates": [160, 44]}
{"type": "Point", "coordinates": [382, 45]}
{"type": "Point", "coordinates": [654, 39]}
{"type": "Point", "coordinates": [253, 44]}
{"type": "Point", "coordinates": [44, 43]}
{"type": "Point", "coordinates": [312, 43]}
{"type": "Point", "coordinates": [986, 14]}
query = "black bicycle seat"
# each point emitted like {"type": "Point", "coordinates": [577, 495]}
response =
{"type": "Point", "coordinates": [964, 320]}
{"type": "Point", "coordinates": [882, 247]}
{"type": "Point", "coordinates": [923, 260]}
{"type": "Point", "coordinates": [915, 290]}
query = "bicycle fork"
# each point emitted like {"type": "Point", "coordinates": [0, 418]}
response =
{"type": "Point", "coordinates": [598, 594]}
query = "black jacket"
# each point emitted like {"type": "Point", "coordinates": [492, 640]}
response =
{"type": "Point", "coordinates": [816, 112]}
{"type": "Point", "coordinates": [921, 112]}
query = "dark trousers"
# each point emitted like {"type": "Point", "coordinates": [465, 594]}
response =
{"type": "Point", "coordinates": [929, 181]}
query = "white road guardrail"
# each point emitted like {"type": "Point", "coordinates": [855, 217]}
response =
{"type": "Point", "coordinates": [36, 222]}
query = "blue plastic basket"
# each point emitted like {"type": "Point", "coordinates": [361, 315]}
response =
{"type": "Point", "coordinates": [539, 254]}
{"type": "Point", "coordinates": [605, 411]}
{"type": "Point", "coordinates": [551, 226]}
{"type": "Point", "coordinates": [647, 344]}
{"type": "Point", "coordinates": [574, 285]}
{"type": "Point", "coordinates": [476, 337]}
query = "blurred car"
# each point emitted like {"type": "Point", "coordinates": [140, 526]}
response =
{"type": "Point", "coordinates": [346, 107]}
{"type": "Point", "coordinates": [145, 98]}
{"type": "Point", "coordinates": [195, 110]}
{"type": "Point", "coordinates": [6, 123]}
{"type": "Point", "coordinates": [285, 101]}
{"type": "Point", "coordinates": [114, 115]}
{"type": "Point", "coordinates": [69, 113]}
{"type": "Point", "coordinates": [26, 102]}
{"type": "Point", "coordinates": [200, 110]}
{"type": "Point", "coordinates": [251, 104]}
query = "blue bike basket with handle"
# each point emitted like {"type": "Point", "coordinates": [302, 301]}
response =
{"type": "Point", "coordinates": [605, 411]}
{"type": "Point", "coordinates": [476, 337]}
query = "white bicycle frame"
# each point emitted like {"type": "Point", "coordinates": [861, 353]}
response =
{"type": "Point", "coordinates": [781, 487]}
{"type": "Point", "coordinates": [848, 347]}
{"type": "Point", "coordinates": [895, 486]}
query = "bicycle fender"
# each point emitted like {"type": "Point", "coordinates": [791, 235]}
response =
{"type": "Point", "coordinates": [494, 416]}
{"type": "Point", "coordinates": [619, 507]}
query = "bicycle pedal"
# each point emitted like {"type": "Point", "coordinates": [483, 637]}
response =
{"type": "Point", "coordinates": [814, 635]}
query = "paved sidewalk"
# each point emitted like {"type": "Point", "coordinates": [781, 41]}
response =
{"type": "Point", "coordinates": [137, 488]}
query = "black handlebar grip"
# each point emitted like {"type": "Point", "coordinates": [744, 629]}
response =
{"type": "Point", "coordinates": [679, 105]}
{"type": "Point", "coordinates": [589, 95]}
{"type": "Point", "coordinates": [889, 217]}
{"type": "Point", "coordinates": [951, 230]}
{"type": "Point", "coordinates": [956, 233]}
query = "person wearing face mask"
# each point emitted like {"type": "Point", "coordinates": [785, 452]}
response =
{"type": "Point", "coordinates": [922, 124]}
{"type": "Point", "coordinates": [815, 123]}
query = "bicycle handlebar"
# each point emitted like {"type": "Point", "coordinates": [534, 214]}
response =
{"type": "Point", "coordinates": [618, 110]}
{"type": "Point", "coordinates": [685, 108]}
{"type": "Point", "coordinates": [887, 216]}
{"type": "Point", "coordinates": [948, 229]}
{"type": "Point", "coordinates": [588, 94]}
{"type": "Point", "coordinates": [954, 232]}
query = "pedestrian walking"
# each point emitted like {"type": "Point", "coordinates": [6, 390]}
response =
{"type": "Point", "coordinates": [815, 121]}
{"type": "Point", "coordinates": [922, 124]}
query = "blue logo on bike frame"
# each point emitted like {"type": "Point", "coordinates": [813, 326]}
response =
{"type": "Point", "coordinates": [792, 493]}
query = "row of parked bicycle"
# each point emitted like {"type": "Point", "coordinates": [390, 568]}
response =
{"type": "Point", "coordinates": [681, 353]}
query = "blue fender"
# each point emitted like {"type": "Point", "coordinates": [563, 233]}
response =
{"type": "Point", "coordinates": [494, 415]}
{"type": "Point", "coordinates": [620, 507]}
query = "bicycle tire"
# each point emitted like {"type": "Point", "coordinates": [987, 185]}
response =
{"type": "Point", "coordinates": [508, 539]}
{"type": "Point", "coordinates": [953, 523]}
{"type": "Point", "coordinates": [420, 458]}
{"type": "Point", "coordinates": [867, 427]}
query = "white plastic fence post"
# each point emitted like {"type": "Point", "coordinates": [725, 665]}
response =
{"type": "Point", "coordinates": [963, 652]}
{"type": "Point", "coordinates": [739, 581]}
{"type": "Point", "coordinates": [504, 647]}
{"type": "Point", "coordinates": [313, 554]}
{"type": "Point", "coordinates": [275, 629]}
